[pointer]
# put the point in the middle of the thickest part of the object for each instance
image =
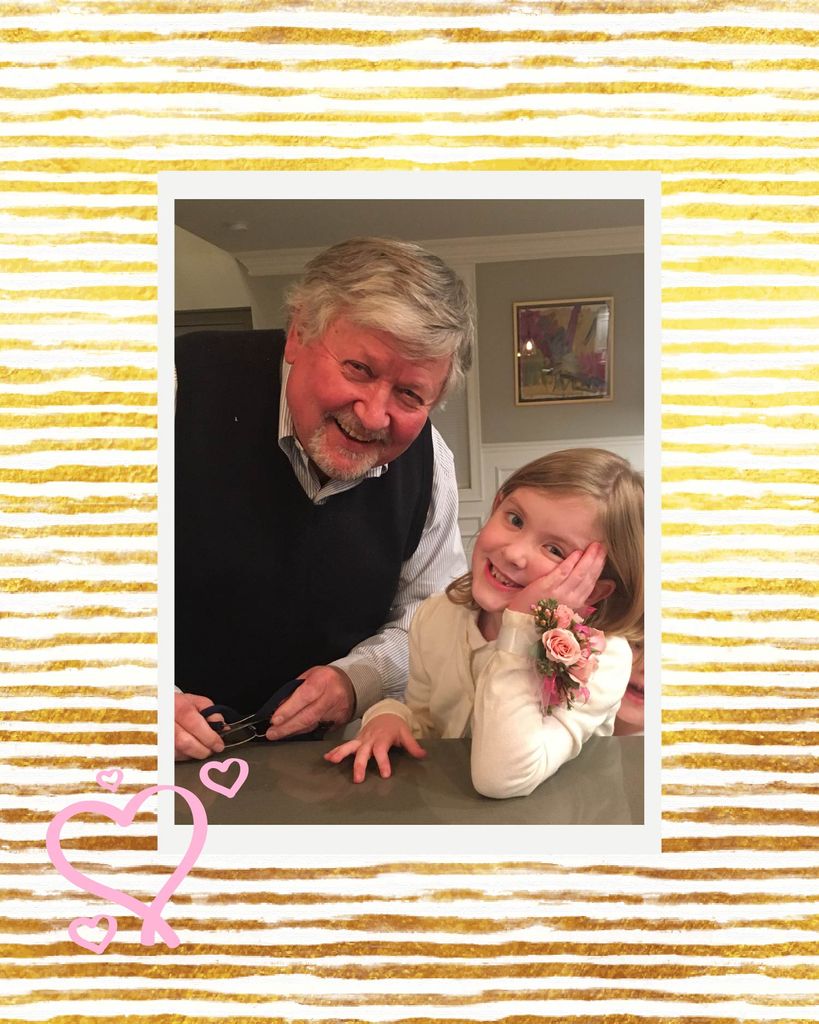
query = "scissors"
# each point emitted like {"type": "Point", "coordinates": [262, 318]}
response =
{"type": "Point", "coordinates": [237, 728]}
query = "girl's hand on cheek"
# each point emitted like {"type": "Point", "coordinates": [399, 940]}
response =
{"type": "Point", "coordinates": [570, 582]}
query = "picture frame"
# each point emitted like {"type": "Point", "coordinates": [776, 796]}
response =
{"type": "Point", "coordinates": [563, 350]}
{"type": "Point", "coordinates": [341, 816]}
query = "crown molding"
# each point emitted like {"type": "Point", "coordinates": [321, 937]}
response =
{"type": "Point", "coordinates": [481, 249]}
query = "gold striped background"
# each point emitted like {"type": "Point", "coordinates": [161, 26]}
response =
{"type": "Point", "coordinates": [95, 99]}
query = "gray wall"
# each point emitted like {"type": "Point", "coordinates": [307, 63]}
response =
{"type": "Point", "coordinates": [206, 277]}
{"type": "Point", "coordinates": [267, 299]}
{"type": "Point", "coordinates": [501, 284]}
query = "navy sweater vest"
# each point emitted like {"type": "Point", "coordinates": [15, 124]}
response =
{"type": "Point", "coordinates": [268, 584]}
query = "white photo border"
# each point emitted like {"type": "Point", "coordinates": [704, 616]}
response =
{"type": "Point", "coordinates": [506, 842]}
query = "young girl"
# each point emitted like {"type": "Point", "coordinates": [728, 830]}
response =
{"type": "Point", "coordinates": [567, 527]}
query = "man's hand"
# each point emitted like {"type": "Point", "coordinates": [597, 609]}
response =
{"type": "Point", "coordinates": [375, 740]}
{"type": "Point", "coordinates": [571, 582]}
{"type": "Point", "coordinates": [193, 737]}
{"type": "Point", "coordinates": [326, 695]}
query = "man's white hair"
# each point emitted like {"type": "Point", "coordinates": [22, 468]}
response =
{"type": "Point", "coordinates": [389, 285]}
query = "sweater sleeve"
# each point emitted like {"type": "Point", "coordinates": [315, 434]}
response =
{"type": "Point", "coordinates": [515, 746]}
{"type": "Point", "coordinates": [416, 711]}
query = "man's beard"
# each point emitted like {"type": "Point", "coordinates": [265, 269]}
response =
{"type": "Point", "coordinates": [341, 463]}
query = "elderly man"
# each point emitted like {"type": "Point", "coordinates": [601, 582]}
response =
{"type": "Point", "coordinates": [316, 506]}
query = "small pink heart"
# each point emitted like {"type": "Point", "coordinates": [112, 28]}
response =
{"type": "Point", "coordinates": [109, 778]}
{"type": "Point", "coordinates": [93, 922]}
{"type": "Point", "coordinates": [222, 766]}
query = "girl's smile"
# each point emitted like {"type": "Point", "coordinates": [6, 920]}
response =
{"type": "Point", "coordinates": [499, 579]}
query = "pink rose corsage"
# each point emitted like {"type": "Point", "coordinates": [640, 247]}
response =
{"type": "Point", "coordinates": [566, 654]}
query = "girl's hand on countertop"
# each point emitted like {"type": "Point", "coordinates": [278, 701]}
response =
{"type": "Point", "coordinates": [374, 740]}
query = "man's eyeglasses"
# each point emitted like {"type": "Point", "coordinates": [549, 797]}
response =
{"type": "Point", "coordinates": [237, 728]}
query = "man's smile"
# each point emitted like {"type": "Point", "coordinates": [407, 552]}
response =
{"type": "Point", "coordinates": [352, 430]}
{"type": "Point", "coordinates": [353, 435]}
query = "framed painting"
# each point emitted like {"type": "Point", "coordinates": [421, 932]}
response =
{"type": "Point", "coordinates": [563, 350]}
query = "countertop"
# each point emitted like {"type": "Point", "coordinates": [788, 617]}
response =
{"type": "Point", "coordinates": [290, 784]}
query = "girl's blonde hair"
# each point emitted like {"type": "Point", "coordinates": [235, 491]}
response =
{"type": "Point", "coordinates": [618, 490]}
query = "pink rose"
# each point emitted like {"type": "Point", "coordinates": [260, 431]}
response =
{"type": "Point", "coordinates": [561, 646]}
{"type": "Point", "coordinates": [583, 668]}
{"type": "Point", "coordinates": [564, 616]}
{"type": "Point", "coordinates": [597, 638]}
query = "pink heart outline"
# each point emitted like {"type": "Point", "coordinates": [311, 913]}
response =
{"type": "Point", "coordinates": [221, 766]}
{"type": "Point", "coordinates": [92, 922]}
{"type": "Point", "coordinates": [112, 784]}
{"type": "Point", "coordinates": [153, 922]}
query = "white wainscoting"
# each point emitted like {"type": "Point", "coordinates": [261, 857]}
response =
{"type": "Point", "coordinates": [501, 460]}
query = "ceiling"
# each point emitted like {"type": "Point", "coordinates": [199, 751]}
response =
{"type": "Point", "coordinates": [296, 223]}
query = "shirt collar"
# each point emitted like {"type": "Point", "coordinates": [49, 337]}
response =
{"type": "Point", "coordinates": [286, 428]}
